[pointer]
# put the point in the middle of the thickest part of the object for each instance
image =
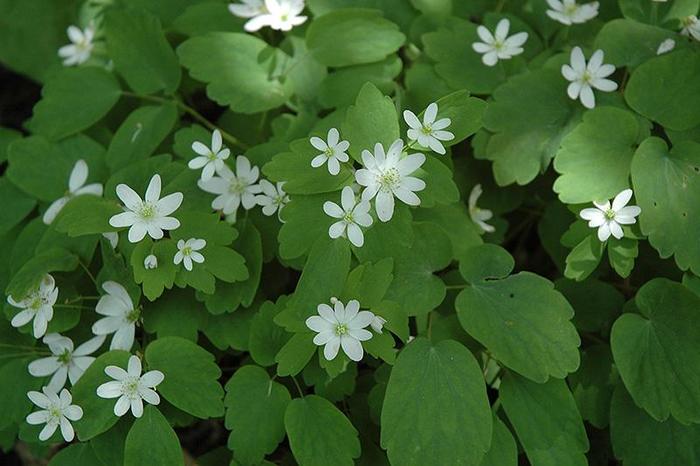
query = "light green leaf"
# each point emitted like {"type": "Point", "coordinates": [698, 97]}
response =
{"type": "Point", "coordinates": [621, 254]}
{"type": "Point", "coordinates": [666, 185]}
{"type": "Point", "coordinates": [594, 159]}
{"type": "Point", "coordinates": [154, 281]}
{"type": "Point", "coordinates": [191, 376]}
{"type": "Point", "coordinates": [503, 451]}
{"type": "Point", "coordinates": [266, 337]}
{"type": "Point", "coordinates": [15, 405]}
{"type": "Point", "coordinates": [177, 314]}
{"type": "Point", "coordinates": [86, 215]}
{"type": "Point", "coordinates": [368, 283]}
{"type": "Point", "coordinates": [528, 126]}
{"type": "Point", "coordinates": [255, 408]}
{"type": "Point", "coordinates": [521, 318]}
{"type": "Point", "coordinates": [433, 392]}
{"type": "Point", "coordinates": [238, 69]}
{"type": "Point", "coordinates": [629, 43]}
{"type": "Point", "coordinates": [340, 87]}
{"type": "Point", "coordinates": [225, 264]}
{"type": "Point", "coordinates": [655, 351]}
{"type": "Point", "coordinates": [584, 258]}
{"type": "Point", "coordinates": [304, 223]}
{"type": "Point", "coordinates": [16, 205]}
{"type": "Point", "coordinates": [141, 54]}
{"type": "Point", "coordinates": [465, 113]}
{"type": "Point", "coordinates": [676, 103]}
{"type": "Point", "coordinates": [72, 100]}
{"type": "Point", "coordinates": [152, 441]}
{"type": "Point", "coordinates": [205, 17]}
{"type": "Point", "coordinates": [295, 354]}
{"type": "Point", "coordinates": [30, 274]}
{"type": "Point", "coordinates": [352, 37]}
{"type": "Point", "coordinates": [370, 121]}
{"type": "Point", "coordinates": [320, 434]}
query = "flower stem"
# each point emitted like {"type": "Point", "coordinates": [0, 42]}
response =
{"type": "Point", "coordinates": [89, 274]}
{"type": "Point", "coordinates": [456, 287]}
{"type": "Point", "coordinates": [190, 111]}
{"type": "Point", "coordinates": [301, 393]}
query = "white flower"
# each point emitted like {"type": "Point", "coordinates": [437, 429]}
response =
{"type": "Point", "coordinates": [150, 262]}
{"type": "Point", "coordinates": [377, 323]}
{"type": "Point", "coordinates": [608, 218]}
{"type": "Point", "coordinates": [430, 132]}
{"type": "Point", "coordinates": [343, 326]}
{"type": "Point", "coordinates": [273, 198]}
{"type": "Point", "coordinates": [66, 361]}
{"type": "Point", "coordinates": [281, 15]}
{"type": "Point", "coordinates": [112, 237]}
{"type": "Point", "coordinates": [666, 46]}
{"type": "Point", "coordinates": [37, 305]}
{"type": "Point", "coordinates": [691, 27]}
{"type": "Point", "coordinates": [584, 77]}
{"type": "Point", "coordinates": [333, 151]}
{"type": "Point", "coordinates": [76, 187]}
{"type": "Point", "coordinates": [131, 387]}
{"type": "Point", "coordinates": [80, 48]}
{"type": "Point", "coordinates": [187, 252]}
{"type": "Point", "coordinates": [499, 46]}
{"type": "Point", "coordinates": [387, 175]}
{"type": "Point", "coordinates": [233, 189]}
{"type": "Point", "coordinates": [212, 159]}
{"type": "Point", "coordinates": [55, 411]}
{"type": "Point", "coordinates": [569, 12]}
{"type": "Point", "coordinates": [351, 217]}
{"type": "Point", "coordinates": [149, 215]}
{"type": "Point", "coordinates": [479, 216]}
{"type": "Point", "coordinates": [120, 318]}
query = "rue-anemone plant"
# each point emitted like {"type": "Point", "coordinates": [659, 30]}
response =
{"type": "Point", "coordinates": [333, 232]}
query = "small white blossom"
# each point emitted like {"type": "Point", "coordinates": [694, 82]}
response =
{"type": "Point", "coordinates": [585, 77]}
{"type": "Point", "coordinates": [273, 198]}
{"type": "Point", "coordinates": [76, 187]}
{"type": "Point", "coordinates": [131, 387]}
{"type": "Point", "coordinates": [146, 216]}
{"type": "Point", "coordinates": [377, 323]}
{"type": "Point", "coordinates": [569, 12]}
{"type": "Point", "coordinates": [342, 326]}
{"type": "Point", "coordinates": [234, 189]}
{"type": "Point", "coordinates": [479, 216]}
{"type": "Point", "coordinates": [67, 361]}
{"type": "Point", "coordinates": [352, 215]}
{"type": "Point", "coordinates": [150, 262]}
{"type": "Point", "coordinates": [80, 48]}
{"type": "Point", "coordinates": [187, 252]}
{"type": "Point", "coordinates": [211, 159]}
{"type": "Point", "coordinates": [499, 46]}
{"type": "Point", "coordinates": [608, 218]}
{"type": "Point", "coordinates": [121, 316]}
{"type": "Point", "coordinates": [666, 46]}
{"type": "Point", "coordinates": [112, 237]}
{"type": "Point", "coordinates": [429, 133]}
{"type": "Point", "coordinates": [55, 411]}
{"type": "Point", "coordinates": [37, 305]}
{"type": "Point", "coordinates": [333, 151]}
{"type": "Point", "coordinates": [691, 27]}
{"type": "Point", "coordinates": [280, 15]}
{"type": "Point", "coordinates": [387, 175]}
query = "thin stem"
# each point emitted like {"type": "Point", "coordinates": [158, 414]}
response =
{"type": "Point", "coordinates": [81, 298]}
{"type": "Point", "coordinates": [301, 393]}
{"type": "Point", "coordinates": [89, 274]}
{"type": "Point", "coordinates": [500, 6]}
{"type": "Point", "coordinates": [72, 306]}
{"type": "Point", "coordinates": [192, 112]}
{"type": "Point", "coordinates": [456, 287]}
{"type": "Point", "coordinates": [430, 325]}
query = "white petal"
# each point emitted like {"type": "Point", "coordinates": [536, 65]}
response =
{"type": "Point", "coordinates": [604, 232]}
{"type": "Point", "coordinates": [622, 199]}
{"type": "Point", "coordinates": [54, 209]}
{"type": "Point", "coordinates": [616, 230]}
{"type": "Point", "coordinates": [44, 366]}
{"type": "Point", "coordinates": [169, 204]}
{"type": "Point", "coordinates": [128, 196]}
{"type": "Point", "coordinates": [152, 378]}
{"type": "Point", "coordinates": [121, 406]}
{"type": "Point", "coordinates": [587, 97]}
{"type": "Point", "coordinates": [330, 351]}
{"type": "Point", "coordinates": [123, 338]}
{"type": "Point", "coordinates": [112, 389]}
{"type": "Point", "coordinates": [319, 324]}
{"type": "Point", "coordinates": [337, 229]}
{"type": "Point", "coordinates": [352, 347]}
{"type": "Point", "coordinates": [411, 119]}
{"type": "Point", "coordinates": [78, 176]}
{"type": "Point", "coordinates": [347, 199]}
{"type": "Point", "coordinates": [355, 235]}
{"type": "Point", "coordinates": [333, 210]}
{"type": "Point", "coordinates": [384, 204]}
{"type": "Point", "coordinates": [153, 190]}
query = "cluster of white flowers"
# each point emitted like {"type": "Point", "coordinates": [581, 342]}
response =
{"type": "Point", "coordinates": [280, 15]}
{"type": "Point", "coordinates": [498, 46]}
{"type": "Point", "coordinates": [608, 218]}
{"type": "Point", "coordinates": [584, 77]}
{"type": "Point", "coordinates": [131, 387]}
{"type": "Point", "coordinates": [569, 12]}
{"type": "Point", "coordinates": [81, 46]}
{"type": "Point", "coordinates": [343, 326]}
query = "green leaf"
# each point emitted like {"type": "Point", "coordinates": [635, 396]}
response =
{"type": "Point", "coordinates": [15, 405]}
{"type": "Point", "coordinates": [676, 103]}
{"type": "Point", "coordinates": [639, 440]}
{"type": "Point", "coordinates": [72, 100]}
{"type": "Point", "coordinates": [177, 314]}
{"type": "Point", "coordinates": [368, 283]}
{"type": "Point", "coordinates": [465, 113]}
{"type": "Point", "coordinates": [584, 258]}
{"type": "Point", "coordinates": [191, 376]}
{"type": "Point", "coordinates": [267, 338]}
{"type": "Point", "coordinates": [79, 454]}
{"type": "Point", "coordinates": [655, 351]}
{"type": "Point", "coordinates": [225, 264]}
{"type": "Point", "coordinates": [440, 186]}
{"type": "Point", "coordinates": [642, 11]}
{"type": "Point", "coordinates": [340, 87]}
{"type": "Point", "coordinates": [152, 441]}
{"type": "Point", "coordinates": [86, 215]}
{"type": "Point", "coordinates": [629, 43]}
{"type": "Point", "coordinates": [98, 413]}
{"type": "Point", "coordinates": [552, 436]}
{"type": "Point", "coordinates": [528, 126]}
{"type": "Point", "coordinates": [304, 223]}
{"type": "Point", "coordinates": [141, 54]}
{"type": "Point", "coordinates": [372, 120]}
{"type": "Point", "coordinates": [319, 434]}
{"type": "Point", "coordinates": [596, 303]}
{"type": "Point", "coordinates": [30, 274]}
{"type": "Point", "coordinates": [140, 134]}
{"type": "Point", "coordinates": [456, 62]}
{"type": "Point", "coordinates": [352, 37]}
{"type": "Point", "coordinates": [154, 281]}
{"type": "Point", "coordinates": [521, 318]}
{"type": "Point", "coordinates": [621, 254]}
{"type": "Point", "coordinates": [238, 70]}
{"type": "Point", "coordinates": [433, 392]}
{"type": "Point", "coordinates": [503, 451]}
{"type": "Point", "coordinates": [666, 185]}
{"type": "Point", "coordinates": [205, 17]}
{"type": "Point", "coordinates": [594, 159]}
{"type": "Point", "coordinates": [255, 408]}
{"type": "Point", "coordinates": [16, 205]}
{"type": "Point", "coordinates": [295, 354]}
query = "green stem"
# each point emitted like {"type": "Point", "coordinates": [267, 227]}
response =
{"type": "Point", "coordinates": [72, 306]}
{"type": "Point", "coordinates": [301, 393]}
{"type": "Point", "coordinates": [456, 287]}
{"type": "Point", "coordinates": [190, 111]}
{"type": "Point", "coordinates": [89, 274]}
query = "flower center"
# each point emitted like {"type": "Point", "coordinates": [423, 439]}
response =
{"type": "Point", "coordinates": [54, 413]}
{"type": "Point", "coordinates": [212, 156]}
{"type": "Point", "coordinates": [328, 152]}
{"type": "Point", "coordinates": [65, 357]}
{"type": "Point", "coordinates": [147, 211]}
{"type": "Point", "coordinates": [341, 329]}
{"type": "Point", "coordinates": [237, 187]}
{"type": "Point", "coordinates": [130, 387]}
{"type": "Point", "coordinates": [571, 9]}
{"type": "Point", "coordinates": [426, 129]}
{"type": "Point", "coordinates": [389, 180]}
{"type": "Point", "coordinates": [186, 251]}
{"type": "Point", "coordinates": [36, 303]}
{"type": "Point", "coordinates": [687, 21]}
{"type": "Point", "coordinates": [610, 214]}
{"type": "Point", "coordinates": [347, 218]}
{"type": "Point", "coordinates": [587, 77]}
{"type": "Point", "coordinates": [133, 315]}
